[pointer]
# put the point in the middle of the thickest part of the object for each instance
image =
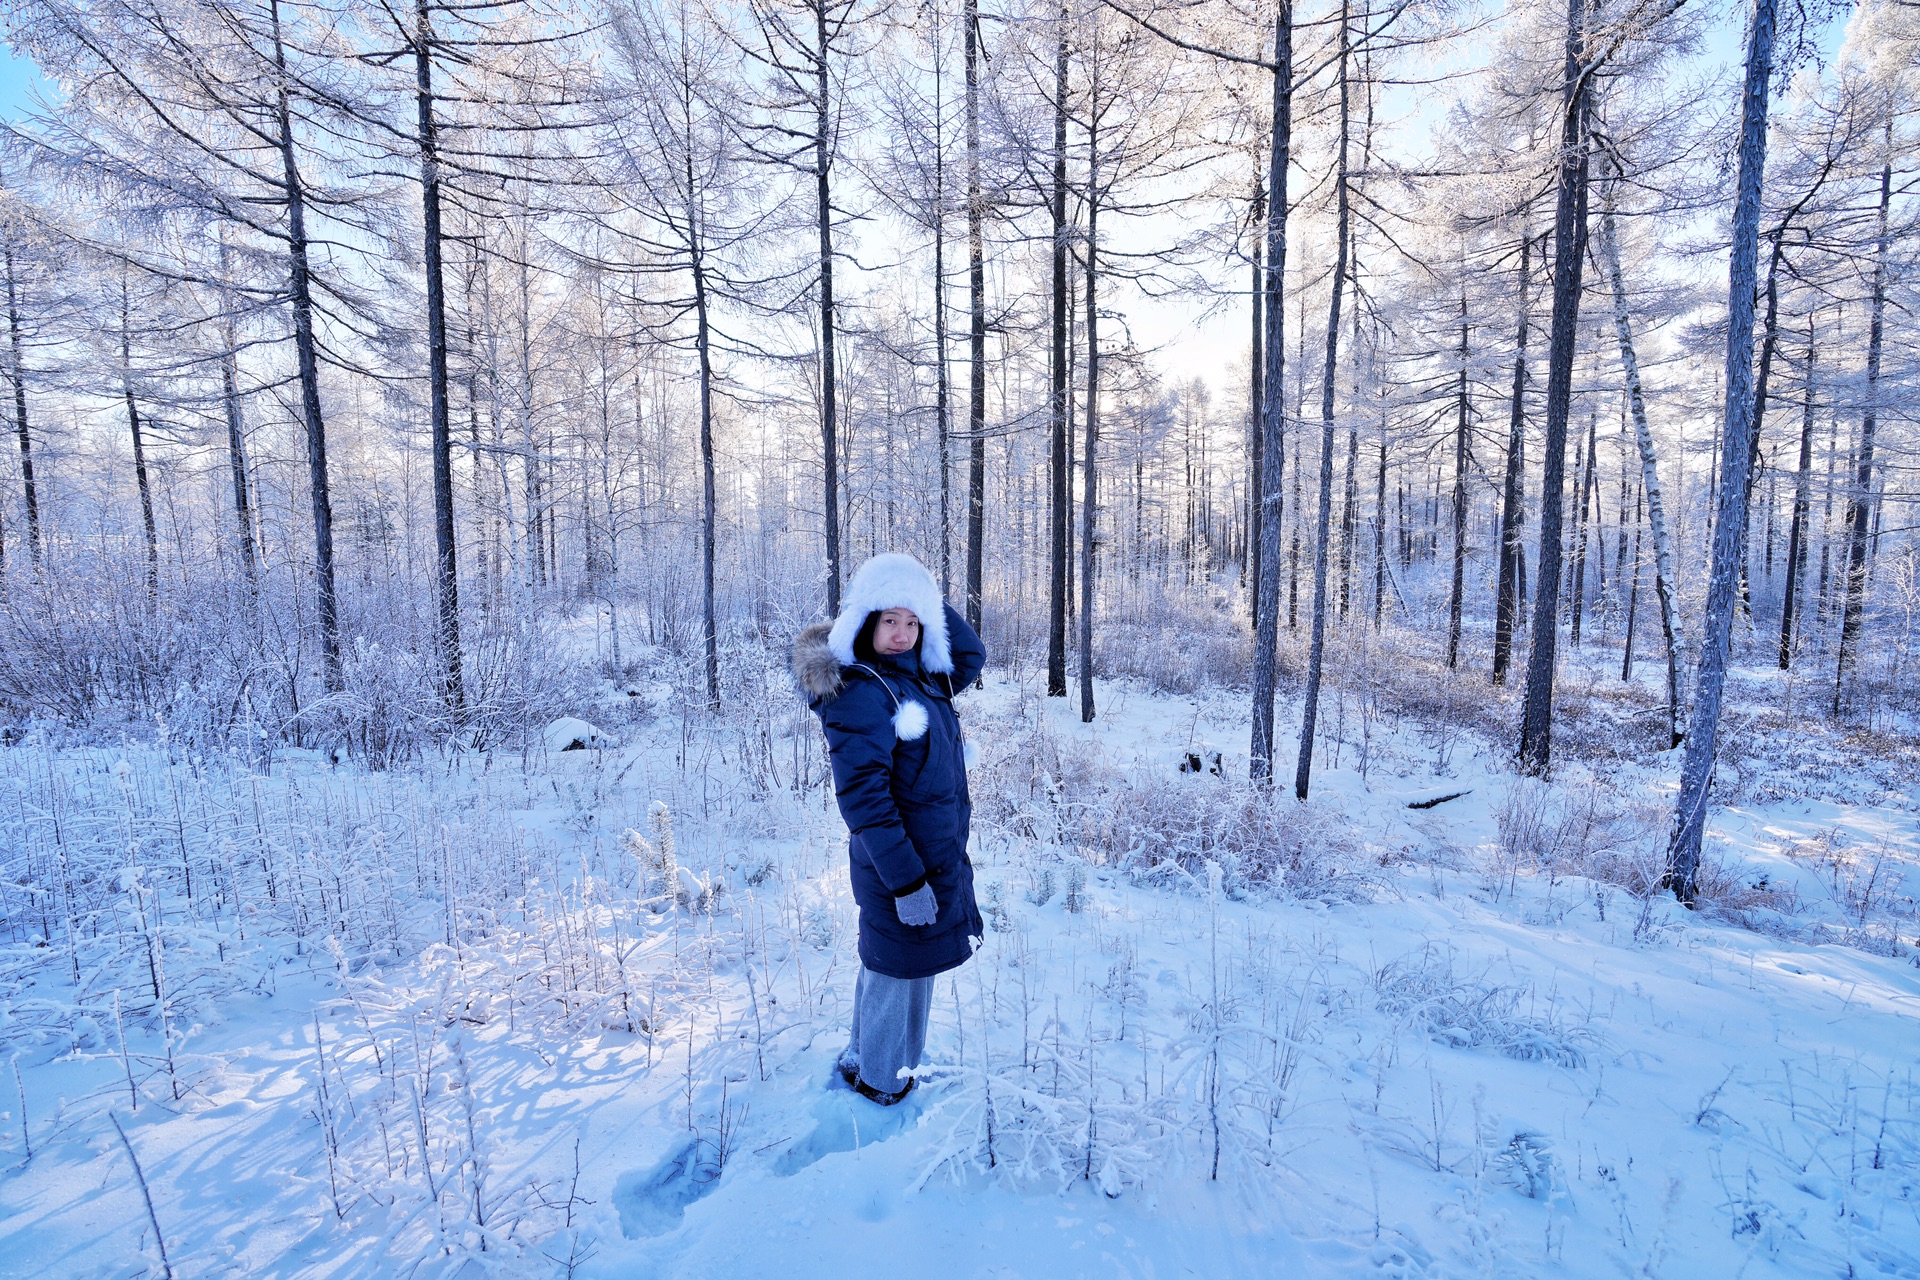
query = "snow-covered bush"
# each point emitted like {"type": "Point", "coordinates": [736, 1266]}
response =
{"type": "Point", "coordinates": [1164, 824]}
{"type": "Point", "coordinates": [518, 679]}
{"type": "Point", "coordinates": [97, 652]}
{"type": "Point", "coordinates": [388, 710]}
{"type": "Point", "coordinates": [1580, 831]}
{"type": "Point", "coordinates": [1262, 839]}
{"type": "Point", "coordinates": [1178, 646]}
{"type": "Point", "coordinates": [1421, 989]}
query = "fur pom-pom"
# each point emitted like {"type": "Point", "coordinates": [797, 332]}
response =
{"type": "Point", "coordinates": [910, 721]}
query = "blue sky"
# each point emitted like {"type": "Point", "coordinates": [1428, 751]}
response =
{"type": "Point", "coordinates": [20, 81]}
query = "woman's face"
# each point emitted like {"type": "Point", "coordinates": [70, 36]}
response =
{"type": "Point", "coordinates": [897, 631]}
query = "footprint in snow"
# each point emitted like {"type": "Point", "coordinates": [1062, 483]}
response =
{"type": "Point", "coordinates": [653, 1201]}
{"type": "Point", "coordinates": [844, 1121]}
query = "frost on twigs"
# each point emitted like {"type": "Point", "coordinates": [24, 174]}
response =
{"type": "Point", "coordinates": [1162, 826]}
{"type": "Point", "coordinates": [1421, 989]}
{"type": "Point", "coordinates": [1044, 1124]}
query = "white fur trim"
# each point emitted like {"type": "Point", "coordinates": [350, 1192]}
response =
{"type": "Point", "coordinates": [894, 581]}
{"type": "Point", "coordinates": [910, 721]}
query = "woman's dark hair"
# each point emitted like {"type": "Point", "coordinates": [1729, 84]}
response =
{"type": "Point", "coordinates": [863, 643]}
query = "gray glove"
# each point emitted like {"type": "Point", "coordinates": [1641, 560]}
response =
{"type": "Point", "coordinates": [918, 907]}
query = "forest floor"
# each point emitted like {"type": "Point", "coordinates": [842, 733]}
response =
{"type": "Point", "coordinates": [454, 1020]}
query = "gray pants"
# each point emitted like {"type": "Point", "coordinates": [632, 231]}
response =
{"type": "Point", "coordinates": [889, 1027]}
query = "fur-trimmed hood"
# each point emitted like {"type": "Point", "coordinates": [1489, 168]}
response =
{"type": "Point", "coordinates": [888, 581]}
{"type": "Point", "coordinates": [815, 669]}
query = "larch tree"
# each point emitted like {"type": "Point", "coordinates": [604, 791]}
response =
{"type": "Point", "coordinates": [807, 49]}
{"type": "Point", "coordinates": [687, 177]}
{"type": "Point", "coordinates": [1730, 516]}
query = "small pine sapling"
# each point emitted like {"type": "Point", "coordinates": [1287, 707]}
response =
{"type": "Point", "coordinates": [1075, 900]}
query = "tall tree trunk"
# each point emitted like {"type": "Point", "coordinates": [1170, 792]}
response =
{"type": "Point", "coordinates": [1060, 491]}
{"type": "Point", "coordinates": [1860, 496]}
{"type": "Point", "coordinates": [30, 494]}
{"type": "Point", "coordinates": [943, 377]}
{"type": "Point", "coordinates": [1633, 595]}
{"type": "Point", "coordinates": [237, 462]}
{"type": "Point", "coordinates": [1089, 473]}
{"type": "Point", "coordinates": [1569, 255]}
{"type": "Point", "coordinates": [236, 431]}
{"type": "Point", "coordinates": [1349, 518]}
{"type": "Point", "coordinates": [1730, 517]}
{"type": "Point", "coordinates": [977, 333]}
{"type": "Point", "coordinates": [1293, 548]}
{"type": "Point", "coordinates": [1506, 595]}
{"type": "Point", "coordinates": [1456, 596]}
{"type": "Point", "coordinates": [1256, 438]}
{"type": "Point", "coordinates": [306, 351]}
{"type": "Point", "coordinates": [1802, 504]}
{"type": "Point", "coordinates": [829, 388]}
{"type": "Point", "coordinates": [1380, 530]}
{"type": "Point", "coordinates": [1663, 579]}
{"type": "Point", "coordinates": [704, 341]}
{"type": "Point", "coordinates": [1588, 515]}
{"type": "Point", "coordinates": [141, 479]}
{"type": "Point", "coordinates": [446, 561]}
{"type": "Point", "coordinates": [1273, 409]}
{"type": "Point", "coordinates": [1769, 339]}
{"type": "Point", "coordinates": [1317, 646]}
{"type": "Point", "coordinates": [1823, 595]}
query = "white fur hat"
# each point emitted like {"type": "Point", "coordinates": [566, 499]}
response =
{"type": "Point", "coordinates": [894, 580]}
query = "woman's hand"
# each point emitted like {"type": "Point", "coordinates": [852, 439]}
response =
{"type": "Point", "coordinates": [919, 907]}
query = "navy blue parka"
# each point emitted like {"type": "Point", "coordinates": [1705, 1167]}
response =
{"type": "Point", "coordinates": [899, 773]}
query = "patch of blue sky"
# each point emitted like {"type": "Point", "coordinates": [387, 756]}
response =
{"type": "Point", "coordinates": [23, 89]}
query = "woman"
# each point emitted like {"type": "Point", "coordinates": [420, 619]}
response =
{"type": "Point", "coordinates": [882, 677]}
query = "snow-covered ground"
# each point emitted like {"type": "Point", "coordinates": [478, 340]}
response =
{"type": "Point", "coordinates": [455, 1020]}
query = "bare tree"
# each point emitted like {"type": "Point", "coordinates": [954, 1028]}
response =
{"type": "Point", "coordinates": [1730, 516]}
{"type": "Point", "coordinates": [1860, 494]}
{"type": "Point", "coordinates": [1663, 562]}
{"type": "Point", "coordinates": [805, 46]}
{"type": "Point", "coordinates": [17, 376]}
{"type": "Point", "coordinates": [1316, 652]}
{"type": "Point", "coordinates": [1569, 256]}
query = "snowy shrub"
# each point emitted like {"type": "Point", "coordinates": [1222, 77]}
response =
{"type": "Point", "coordinates": [818, 926]}
{"type": "Point", "coordinates": [388, 710]}
{"type": "Point", "coordinates": [659, 870]}
{"type": "Point", "coordinates": [1420, 989]}
{"type": "Point", "coordinates": [1041, 1123]}
{"type": "Point", "coordinates": [1068, 1106]}
{"type": "Point", "coordinates": [1177, 643]}
{"type": "Point", "coordinates": [1177, 657]}
{"type": "Point", "coordinates": [1264, 842]}
{"type": "Point", "coordinates": [1746, 895]}
{"type": "Point", "coordinates": [993, 906]}
{"type": "Point", "coordinates": [96, 651]}
{"type": "Point", "coordinates": [518, 679]}
{"type": "Point", "coordinates": [1025, 776]}
{"type": "Point", "coordinates": [1165, 825]}
{"type": "Point", "coordinates": [1579, 831]}
{"type": "Point", "coordinates": [1075, 900]}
